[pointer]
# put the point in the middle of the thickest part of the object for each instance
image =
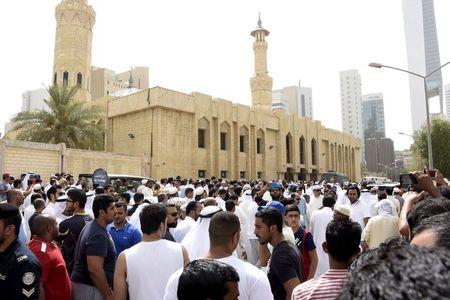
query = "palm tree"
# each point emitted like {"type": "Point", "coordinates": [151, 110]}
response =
{"type": "Point", "coordinates": [67, 121]}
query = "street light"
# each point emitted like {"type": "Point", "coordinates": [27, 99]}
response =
{"type": "Point", "coordinates": [430, 152]}
{"type": "Point", "coordinates": [410, 135]}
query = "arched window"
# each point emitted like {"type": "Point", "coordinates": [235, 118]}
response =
{"type": "Point", "coordinates": [79, 80]}
{"type": "Point", "coordinates": [302, 150]}
{"type": "Point", "coordinates": [313, 152]}
{"type": "Point", "coordinates": [65, 78]}
{"type": "Point", "coordinates": [55, 78]}
{"type": "Point", "coordinates": [288, 148]}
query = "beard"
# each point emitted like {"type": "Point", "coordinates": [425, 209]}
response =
{"type": "Point", "coordinates": [172, 225]}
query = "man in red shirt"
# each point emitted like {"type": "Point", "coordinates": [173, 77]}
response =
{"type": "Point", "coordinates": [55, 282]}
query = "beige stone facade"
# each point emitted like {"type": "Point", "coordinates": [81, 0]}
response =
{"type": "Point", "coordinates": [17, 157]}
{"type": "Point", "coordinates": [197, 136]}
{"type": "Point", "coordinates": [158, 132]}
{"type": "Point", "coordinates": [163, 125]}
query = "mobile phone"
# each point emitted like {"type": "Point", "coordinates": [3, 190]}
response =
{"type": "Point", "coordinates": [407, 179]}
{"type": "Point", "coordinates": [432, 173]}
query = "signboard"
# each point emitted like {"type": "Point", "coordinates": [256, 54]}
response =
{"type": "Point", "coordinates": [100, 177]}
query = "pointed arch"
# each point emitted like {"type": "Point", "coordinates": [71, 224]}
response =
{"type": "Point", "coordinates": [289, 148]}
{"type": "Point", "coordinates": [313, 152]}
{"type": "Point", "coordinates": [302, 150]}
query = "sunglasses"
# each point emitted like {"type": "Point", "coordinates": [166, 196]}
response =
{"type": "Point", "coordinates": [174, 214]}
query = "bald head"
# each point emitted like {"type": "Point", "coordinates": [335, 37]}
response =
{"type": "Point", "coordinates": [222, 227]}
{"type": "Point", "coordinates": [15, 197]}
{"type": "Point", "coordinates": [45, 227]}
{"type": "Point", "coordinates": [209, 202]}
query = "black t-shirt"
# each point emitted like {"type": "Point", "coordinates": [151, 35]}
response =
{"type": "Point", "coordinates": [30, 222]}
{"type": "Point", "coordinates": [69, 231]}
{"type": "Point", "coordinates": [284, 265]}
{"type": "Point", "coordinates": [94, 240]}
{"type": "Point", "coordinates": [20, 273]}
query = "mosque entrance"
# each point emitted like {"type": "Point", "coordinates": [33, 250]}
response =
{"type": "Point", "coordinates": [289, 175]}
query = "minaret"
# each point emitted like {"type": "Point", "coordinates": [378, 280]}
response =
{"type": "Point", "coordinates": [261, 82]}
{"type": "Point", "coordinates": [73, 46]}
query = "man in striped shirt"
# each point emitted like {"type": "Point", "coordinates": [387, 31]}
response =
{"type": "Point", "coordinates": [342, 246]}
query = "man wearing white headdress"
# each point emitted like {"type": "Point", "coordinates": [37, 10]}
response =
{"type": "Point", "coordinates": [382, 227]}
{"type": "Point", "coordinates": [60, 207]}
{"type": "Point", "coordinates": [369, 199]}
{"type": "Point", "coordinates": [315, 202]}
{"type": "Point", "coordinates": [250, 208]}
{"type": "Point", "coordinates": [134, 219]}
{"type": "Point", "coordinates": [90, 200]}
{"type": "Point", "coordinates": [196, 240]}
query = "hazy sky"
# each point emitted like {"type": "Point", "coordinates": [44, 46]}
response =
{"type": "Point", "coordinates": [206, 46]}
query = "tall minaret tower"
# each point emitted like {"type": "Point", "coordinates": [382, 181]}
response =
{"type": "Point", "coordinates": [261, 82]}
{"type": "Point", "coordinates": [73, 46]}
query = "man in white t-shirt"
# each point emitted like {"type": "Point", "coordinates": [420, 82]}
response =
{"type": "Point", "coordinates": [359, 212]}
{"type": "Point", "coordinates": [224, 237]}
{"type": "Point", "coordinates": [143, 270]}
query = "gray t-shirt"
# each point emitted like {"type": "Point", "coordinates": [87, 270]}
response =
{"type": "Point", "coordinates": [94, 240]}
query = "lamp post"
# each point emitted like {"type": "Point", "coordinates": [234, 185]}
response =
{"type": "Point", "coordinates": [430, 152]}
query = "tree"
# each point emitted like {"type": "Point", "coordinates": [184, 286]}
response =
{"type": "Point", "coordinates": [67, 121]}
{"type": "Point", "coordinates": [440, 142]}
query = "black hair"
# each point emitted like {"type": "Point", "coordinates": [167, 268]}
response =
{"type": "Point", "coordinates": [138, 197]}
{"type": "Point", "coordinates": [188, 190]}
{"type": "Point", "coordinates": [16, 183]}
{"type": "Point", "coordinates": [271, 216]}
{"type": "Point", "coordinates": [99, 190]}
{"type": "Point", "coordinates": [120, 204]}
{"type": "Point", "coordinates": [191, 206]}
{"type": "Point", "coordinates": [328, 201]}
{"type": "Point", "coordinates": [221, 192]}
{"type": "Point", "coordinates": [238, 190]}
{"type": "Point", "coordinates": [398, 270]}
{"type": "Point", "coordinates": [425, 209]}
{"type": "Point", "coordinates": [151, 217]}
{"type": "Point", "coordinates": [101, 202]}
{"type": "Point", "coordinates": [161, 197]}
{"type": "Point", "coordinates": [230, 205]}
{"type": "Point", "coordinates": [15, 220]}
{"type": "Point", "coordinates": [51, 191]}
{"type": "Point", "coordinates": [77, 196]}
{"type": "Point", "coordinates": [204, 279]}
{"type": "Point", "coordinates": [222, 227]}
{"type": "Point", "coordinates": [343, 238]}
{"type": "Point", "coordinates": [439, 225]}
{"type": "Point", "coordinates": [126, 196]}
{"type": "Point", "coordinates": [356, 188]}
{"type": "Point", "coordinates": [34, 197]}
{"type": "Point", "coordinates": [291, 207]}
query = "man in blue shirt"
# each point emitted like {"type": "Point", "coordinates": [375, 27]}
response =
{"type": "Point", "coordinates": [124, 234]}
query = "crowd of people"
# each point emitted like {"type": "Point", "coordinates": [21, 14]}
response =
{"type": "Point", "coordinates": [218, 239]}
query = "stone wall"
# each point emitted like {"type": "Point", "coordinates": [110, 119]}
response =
{"type": "Point", "coordinates": [17, 157]}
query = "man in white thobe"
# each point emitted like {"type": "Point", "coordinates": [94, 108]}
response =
{"type": "Point", "coordinates": [315, 202]}
{"type": "Point", "coordinates": [319, 221]}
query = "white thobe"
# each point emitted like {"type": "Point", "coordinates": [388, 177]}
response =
{"type": "Point", "coordinates": [314, 204]}
{"type": "Point", "coordinates": [319, 221]}
{"type": "Point", "coordinates": [182, 229]}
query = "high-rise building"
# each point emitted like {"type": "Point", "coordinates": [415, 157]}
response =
{"type": "Point", "coordinates": [447, 100]}
{"type": "Point", "coordinates": [351, 103]}
{"type": "Point", "coordinates": [34, 100]}
{"type": "Point", "coordinates": [373, 116]}
{"type": "Point", "coordinates": [379, 154]}
{"type": "Point", "coordinates": [294, 99]}
{"type": "Point", "coordinates": [423, 56]}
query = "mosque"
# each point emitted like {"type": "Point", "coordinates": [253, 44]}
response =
{"type": "Point", "coordinates": [195, 135]}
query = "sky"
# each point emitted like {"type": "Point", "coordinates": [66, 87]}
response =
{"type": "Point", "coordinates": [205, 46]}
